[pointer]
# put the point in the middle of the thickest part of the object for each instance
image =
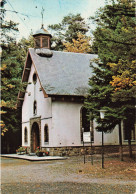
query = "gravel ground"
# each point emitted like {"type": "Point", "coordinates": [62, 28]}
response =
{"type": "Point", "coordinates": [68, 176]}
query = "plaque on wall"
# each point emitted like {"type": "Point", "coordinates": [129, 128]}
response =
{"type": "Point", "coordinates": [87, 137]}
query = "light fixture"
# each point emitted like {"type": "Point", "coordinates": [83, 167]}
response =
{"type": "Point", "coordinates": [102, 113]}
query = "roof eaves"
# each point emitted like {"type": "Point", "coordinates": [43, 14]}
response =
{"type": "Point", "coordinates": [44, 92]}
{"type": "Point", "coordinates": [25, 76]}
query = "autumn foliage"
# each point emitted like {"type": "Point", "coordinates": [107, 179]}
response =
{"type": "Point", "coordinates": [124, 74]}
{"type": "Point", "coordinates": [81, 45]}
{"type": "Point", "coordinates": [6, 85]}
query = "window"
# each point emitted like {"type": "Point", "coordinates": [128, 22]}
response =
{"type": "Point", "coordinates": [85, 121]}
{"type": "Point", "coordinates": [25, 135]}
{"type": "Point", "coordinates": [44, 42]}
{"type": "Point", "coordinates": [85, 124]}
{"type": "Point", "coordinates": [35, 108]}
{"type": "Point", "coordinates": [46, 134]}
{"type": "Point", "coordinates": [37, 42]}
{"type": "Point", "coordinates": [34, 78]}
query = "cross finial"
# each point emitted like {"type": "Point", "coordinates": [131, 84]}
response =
{"type": "Point", "coordinates": [42, 16]}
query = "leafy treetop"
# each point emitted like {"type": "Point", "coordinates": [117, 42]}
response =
{"type": "Point", "coordinates": [67, 30]}
{"type": "Point", "coordinates": [81, 45]}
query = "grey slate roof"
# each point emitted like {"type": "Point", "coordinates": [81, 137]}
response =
{"type": "Point", "coordinates": [64, 73]}
{"type": "Point", "coordinates": [42, 31]}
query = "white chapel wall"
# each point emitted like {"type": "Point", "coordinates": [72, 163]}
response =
{"type": "Point", "coordinates": [43, 107]}
{"type": "Point", "coordinates": [66, 127]}
{"type": "Point", "coordinates": [65, 124]}
{"type": "Point", "coordinates": [35, 94]}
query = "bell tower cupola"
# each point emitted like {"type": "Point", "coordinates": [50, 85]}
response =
{"type": "Point", "coordinates": [42, 38]}
{"type": "Point", "coordinates": [42, 41]}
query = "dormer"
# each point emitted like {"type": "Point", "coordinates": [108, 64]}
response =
{"type": "Point", "coordinates": [42, 39]}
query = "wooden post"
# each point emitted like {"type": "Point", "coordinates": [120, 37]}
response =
{"type": "Point", "coordinates": [91, 150]}
{"type": "Point", "coordinates": [120, 143]}
{"type": "Point", "coordinates": [91, 135]}
{"type": "Point", "coordinates": [102, 149]}
{"type": "Point", "coordinates": [84, 151]}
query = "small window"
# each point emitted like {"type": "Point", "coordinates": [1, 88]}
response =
{"type": "Point", "coordinates": [44, 42]}
{"type": "Point", "coordinates": [25, 135]}
{"type": "Point", "coordinates": [46, 134]}
{"type": "Point", "coordinates": [34, 78]}
{"type": "Point", "coordinates": [37, 42]}
{"type": "Point", "coordinates": [35, 108]}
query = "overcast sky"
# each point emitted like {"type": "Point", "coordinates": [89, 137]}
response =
{"type": "Point", "coordinates": [29, 12]}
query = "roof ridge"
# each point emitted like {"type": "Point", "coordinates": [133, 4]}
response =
{"type": "Point", "coordinates": [70, 52]}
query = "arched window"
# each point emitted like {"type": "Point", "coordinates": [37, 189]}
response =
{"type": "Point", "coordinates": [25, 135]}
{"type": "Point", "coordinates": [85, 123]}
{"type": "Point", "coordinates": [34, 78]}
{"type": "Point", "coordinates": [35, 108]}
{"type": "Point", "coordinates": [46, 134]}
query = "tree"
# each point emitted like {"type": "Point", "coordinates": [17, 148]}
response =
{"type": "Point", "coordinates": [23, 46]}
{"type": "Point", "coordinates": [114, 37]}
{"type": "Point", "coordinates": [124, 84]}
{"type": "Point", "coordinates": [114, 40]}
{"type": "Point", "coordinates": [10, 84]}
{"type": "Point", "coordinates": [100, 96]}
{"type": "Point", "coordinates": [124, 79]}
{"type": "Point", "coordinates": [12, 63]}
{"type": "Point", "coordinates": [3, 103]}
{"type": "Point", "coordinates": [11, 71]}
{"type": "Point", "coordinates": [67, 30]}
{"type": "Point", "coordinates": [13, 58]}
{"type": "Point", "coordinates": [81, 45]}
{"type": "Point", "coordinates": [6, 104]}
{"type": "Point", "coordinates": [6, 85]}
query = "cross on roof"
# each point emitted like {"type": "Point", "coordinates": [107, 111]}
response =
{"type": "Point", "coordinates": [42, 15]}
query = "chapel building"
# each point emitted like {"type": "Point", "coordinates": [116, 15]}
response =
{"type": "Point", "coordinates": [53, 116]}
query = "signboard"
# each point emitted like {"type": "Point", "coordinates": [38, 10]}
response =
{"type": "Point", "coordinates": [87, 137]}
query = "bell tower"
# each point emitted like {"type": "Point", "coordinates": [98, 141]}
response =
{"type": "Point", "coordinates": [42, 37]}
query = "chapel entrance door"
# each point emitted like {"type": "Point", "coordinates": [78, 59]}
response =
{"type": "Point", "coordinates": [35, 137]}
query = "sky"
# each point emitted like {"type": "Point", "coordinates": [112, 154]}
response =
{"type": "Point", "coordinates": [28, 12]}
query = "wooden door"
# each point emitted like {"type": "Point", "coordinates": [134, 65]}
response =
{"type": "Point", "coordinates": [35, 137]}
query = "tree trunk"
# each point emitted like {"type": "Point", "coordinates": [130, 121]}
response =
{"type": "Point", "coordinates": [129, 141]}
{"type": "Point", "coordinates": [120, 143]}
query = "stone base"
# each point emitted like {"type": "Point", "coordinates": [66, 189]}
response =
{"type": "Point", "coordinates": [80, 150]}
{"type": "Point", "coordinates": [77, 151]}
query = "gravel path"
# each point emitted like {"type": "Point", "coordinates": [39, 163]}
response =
{"type": "Point", "coordinates": [67, 176]}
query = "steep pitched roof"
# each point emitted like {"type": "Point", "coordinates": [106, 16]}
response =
{"type": "Point", "coordinates": [64, 73]}
{"type": "Point", "coordinates": [42, 31]}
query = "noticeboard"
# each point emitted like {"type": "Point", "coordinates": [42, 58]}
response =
{"type": "Point", "coordinates": [87, 137]}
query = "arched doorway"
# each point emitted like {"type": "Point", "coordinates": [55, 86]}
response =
{"type": "Point", "coordinates": [85, 123]}
{"type": "Point", "coordinates": [35, 135]}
